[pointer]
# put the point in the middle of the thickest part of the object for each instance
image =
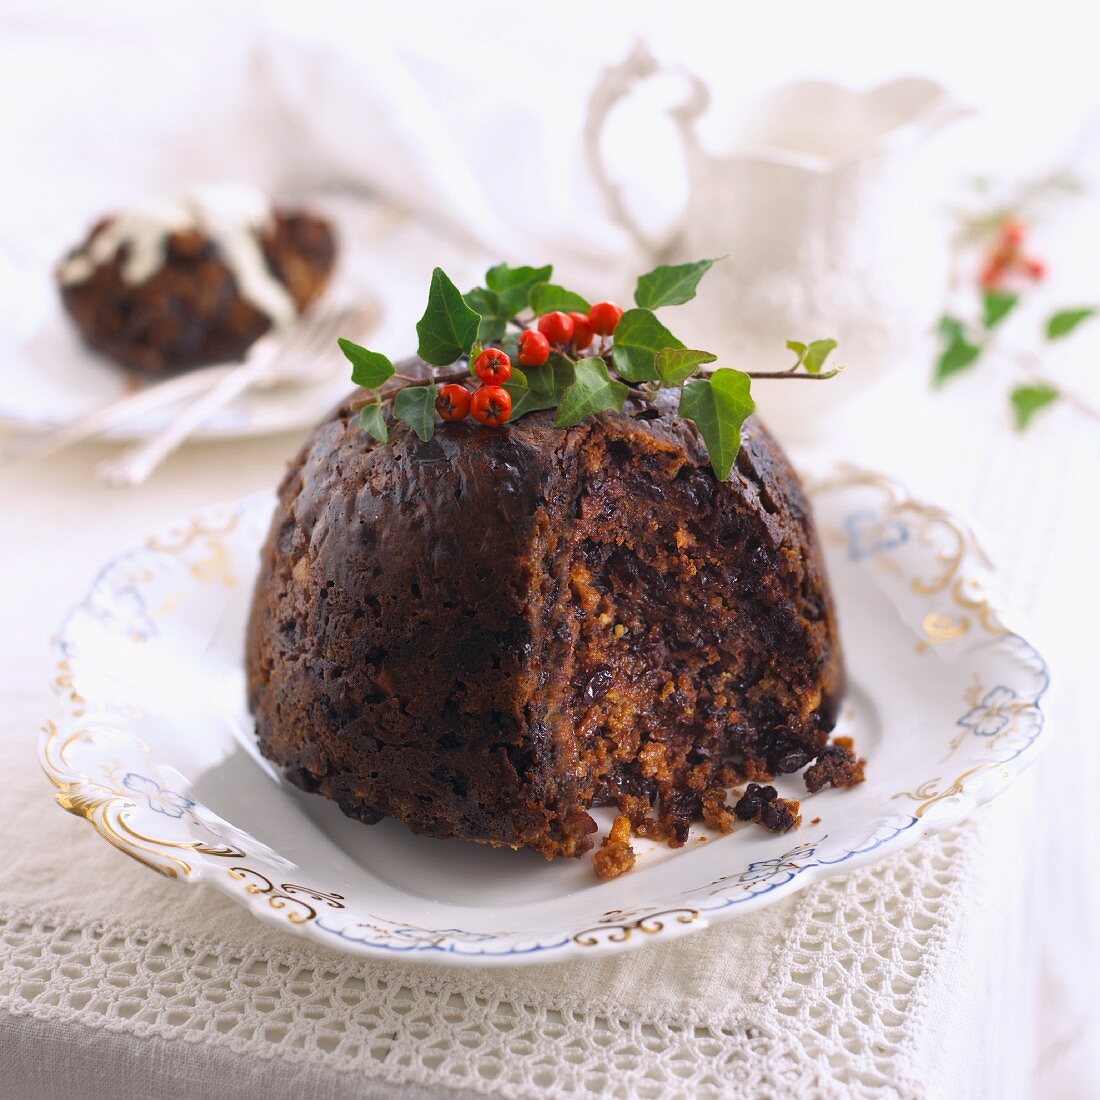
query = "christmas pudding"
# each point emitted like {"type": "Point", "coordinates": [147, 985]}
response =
{"type": "Point", "coordinates": [592, 580]}
{"type": "Point", "coordinates": [196, 279]}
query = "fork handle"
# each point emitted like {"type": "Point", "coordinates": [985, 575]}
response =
{"type": "Point", "coordinates": [136, 463]}
{"type": "Point", "coordinates": [84, 426]}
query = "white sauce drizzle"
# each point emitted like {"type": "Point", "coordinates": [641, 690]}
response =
{"type": "Point", "coordinates": [232, 215]}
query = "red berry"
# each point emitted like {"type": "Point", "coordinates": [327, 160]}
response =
{"type": "Point", "coordinates": [992, 274]}
{"type": "Point", "coordinates": [557, 327]}
{"type": "Point", "coordinates": [452, 402]}
{"type": "Point", "coordinates": [491, 406]}
{"type": "Point", "coordinates": [582, 330]}
{"type": "Point", "coordinates": [1012, 233]}
{"type": "Point", "coordinates": [493, 366]}
{"type": "Point", "coordinates": [534, 348]}
{"type": "Point", "coordinates": [603, 317]}
{"type": "Point", "coordinates": [1036, 268]}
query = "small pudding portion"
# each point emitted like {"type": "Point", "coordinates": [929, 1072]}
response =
{"type": "Point", "coordinates": [197, 279]}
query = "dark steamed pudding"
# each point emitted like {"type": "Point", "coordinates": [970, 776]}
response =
{"type": "Point", "coordinates": [487, 634]}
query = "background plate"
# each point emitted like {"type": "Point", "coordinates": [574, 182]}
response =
{"type": "Point", "coordinates": [155, 749]}
{"type": "Point", "coordinates": [48, 376]}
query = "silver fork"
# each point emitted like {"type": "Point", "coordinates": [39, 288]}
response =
{"type": "Point", "coordinates": [302, 354]}
{"type": "Point", "coordinates": [119, 411]}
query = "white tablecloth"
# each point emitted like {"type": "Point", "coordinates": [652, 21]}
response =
{"type": "Point", "coordinates": [966, 966]}
{"type": "Point", "coordinates": [962, 967]}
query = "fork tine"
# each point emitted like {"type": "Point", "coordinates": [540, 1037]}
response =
{"type": "Point", "coordinates": [323, 337]}
{"type": "Point", "coordinates": [313, 338]}
{"type": "Point", "coordinates": [326, 329]}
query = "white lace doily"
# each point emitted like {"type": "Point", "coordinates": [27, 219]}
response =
{"type": "Point", "coordinates": [836, 1015]}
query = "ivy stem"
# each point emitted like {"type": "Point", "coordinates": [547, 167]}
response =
{"type": "Point", "coordinates": [1031, 363]}
{"type": "Point", "coordinates": [1072, 399]}
{"type": "Point", "coordinates": [439, 380]}
{"type": "Point", "coordinates": [791, 374]}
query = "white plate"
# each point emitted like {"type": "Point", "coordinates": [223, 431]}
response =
{"type": "Point", "coordinates": [48, 376]}
{"type": "Point", "coordinates": [155, 750]}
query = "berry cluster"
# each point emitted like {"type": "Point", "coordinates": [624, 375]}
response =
{"type": "Point", "coordinates": [1007, 256]}
{"type": "Point", "coordinates": [490, 404]}
{"type": "Point", "coordinates": [565, 367]}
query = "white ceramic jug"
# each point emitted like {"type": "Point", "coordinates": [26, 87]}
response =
{"type": "Point", "coordinates": [829, 228]}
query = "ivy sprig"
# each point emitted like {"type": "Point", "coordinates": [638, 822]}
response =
{"type": "Point", "coordinates": [964, 344]}
{"type": "Point", "coordinates": [592, 390]}
{"type": "Point", "coordinates": [641, 358]}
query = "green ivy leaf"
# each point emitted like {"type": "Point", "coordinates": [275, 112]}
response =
{"type": "Point", "coordinates": [540, 388]}
{"type": "Point", "coordinates": [373, 421]}
{"type": "Point", "coordinates": [510, 345]}
{"type": "Point", "coordinates": [449, 326]}
{"type": "Point", "coordinates": [1028, 400]}
{"type": "Point", "coordinates": [718, 406]}
{"type": "Point", "coordinates": [547, 297]}
{"type": "Point", "coordinates": [675, 366]}
{"type": "Point", "coordinates": [517, 387]}
{"type": "Point", "coordinates": [950, 328]}
{"type": "Point", "coordinates": [1065, 321]}
{"type": "Point", "coordinates": [671, 284]}
{"type": "Point", "coordinates": [415, 406]}
{"type": "Point", "coordinates": [513, 285]}
{"type": "Point", "coordinates": [958, 355]}
{"type": "Point", "coordinates": [592, 391]}
{"type": "Point", "coordinates": [812, 356]}
{"type": "Point", "coordinates": [369, 369]}
{"type": "Point", "coordinates": [494, 319]}
{"type": "Point", "coordinates": [639, 336]}
{"type": "Point", "coordinates": [815, 355]}
{"type": "Point", "coordinates": [996, 306]}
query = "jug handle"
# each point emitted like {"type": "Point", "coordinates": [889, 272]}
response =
{"type": "Point", "coordinates": [615, 84]}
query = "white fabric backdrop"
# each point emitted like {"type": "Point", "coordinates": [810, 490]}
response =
{"type": "Point", "coordinates": [472, 116]}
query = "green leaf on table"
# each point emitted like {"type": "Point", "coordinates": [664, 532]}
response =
{"type": "Point", "coordinates": [718, 406]}
{"type": "Point", "coordinates": [539, 387]}
{"type": "Point", "coordinates": [670, 284]}
{"type": "Point", "coordinates": [639, 336]}
{"type": "Point", "coordinates": [958, 355]}
{"type": "Point", "coordinates": [547, 297]}
{"type": "Point", "coordinates": [373, 421]}
{"type": "Point", "coordinates": [675, 366]}
{"type": "Point", "coordinates": [950, 328]}
{"type": "Point", "coordinates": [369, 369]}
{"type": "Point", "coordinates": [1028, 400]}
{"type": "Point", "coordinates": [996, 306]}
{"type": "Point", "coordinates": [513, 285]}
{"type": "Point", "coordinates": [1065, 321]}
{"type": "Point", "coordinates": [449, 326]}
{"type": "Point", "coordinates": [592, 391]}
{"type": "Point", "coordinates": [494, 319]}
{"type": "Point", "coordinates": [415, 406]}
